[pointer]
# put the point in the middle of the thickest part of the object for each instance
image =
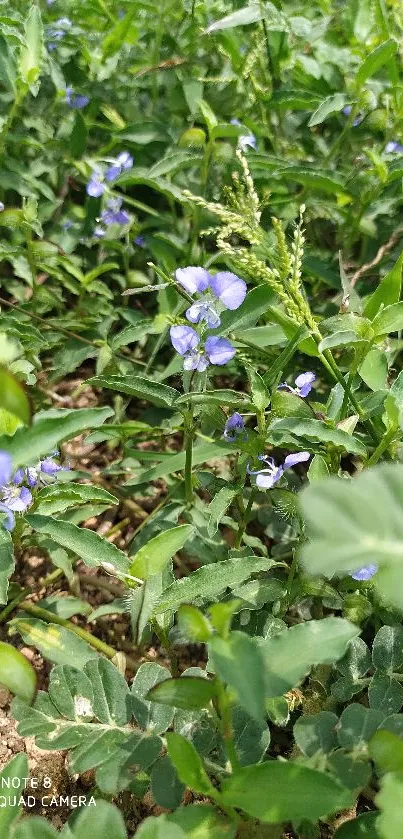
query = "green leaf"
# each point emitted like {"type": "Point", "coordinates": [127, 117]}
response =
{"type": "Point", "coordinates": [386, 749]}
{"type": "Point", "coordinates": [35, 827]}
{"type": "Point", "coordinates": [209, 581]}
{"type": "Point", "coordinates": [139, 386]}
{"type": "Point", "coordinates": [219, 506]}
{"type": "Point", "coordinates": [113, 41]}
{"type": "Point", "coordinates": [390, 821]}
{"type": "Point", "coordinates": [57, 497]}
{"type": "Point", "coordinates": [251, 737]}
{"type": "Point", "coordinates": [194, 821]}
{"type": "Point", "coordinates": [149, 715]}
{"type": "Point", "coordinates": [316, 732]}
{"type": "Point", "coordinates": [176, 462]}
{"type": "Point", "coordinates": [322, 181]}
{"type": "Point", "coordinates": [231, 398]}
{"type": "Point", "coordinates": [374, 61]}
{"type": "Point", "coordinates": [286, 404]}
{"type": "Point", "coordinates": [13, 397]}
{"type": "Point", "coordinates": [339, 339]}
{"type": "Point", "coordinates": [67, 686]}
{"type": "Point", "coordinates": [389, 319]}
{"type": "Point", "coordinates": [374, 369]}
{"type": "Point", "coordinates": [251, 14]}
{"type": "Point", "coordinates": [190, 694]}
{"type": "Point", "coordinates": [352, 523]}
{"type": "Point", "coordinates": [357, 725]}
{"type": "Point", "coordinates": [188, 764]}
{"type": "Point", "coordinates": [239, 662]}
{"type": "Point", "coordinates": [103, 820]}
{"type": "Point", "coordinates": [54, 642]}
{"type": "Point", "coordinates": [193, 623]}
{"type": "Point", "coordinates": [387, 649]}
{"type": "Point", "coordinates": [7, 562]}
{"type": "Point", "coordinates": [7, 66]}
{"type": "Point", "coordinates": [303, 432]}
{"type": "Point", "coordinates": [92, 548]}
{"type": "Point", "coordinates": [16, 672]}
{"type": "Point", "coordinates": [388, 291]}
{"type": "Point", "coordinates": [78, 136]}
{"type": "Point", "coordinates": [153, 557]}
{"type": "Point", "coordinates": [256, 304]}
{"type": "Point", "coordinates": [330, 105]}
{"type": "Point", "coordinates": [385, 694]}
{"type": "Point", "coordinates": [296, 792]}
{"type": "Point", "coordinates": [17, 769]}
{"type": "Point", "coordinates": [290, 655]}
{"type": "Point", "coordinates": [50, 428]}
{"type": "Point", "coordinates": [363, 827]}
{"type": "Point", "coordinates": [111, 703]}
{"type": "Point", "coordinates": [32, 53]}
{"type": "Point", "coordinates": [166, 787]}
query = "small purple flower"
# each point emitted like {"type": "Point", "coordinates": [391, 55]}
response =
{"type": "Point", "coordinates": [17, 499]}
{"type": "Point", "coordinates": [233, 427]}
{"type": "Point", "coordinates": [365, 573]}
{"type": "Point", "coordinates": [245, 140]}
{"type": "Point", "coordinates": [123, 162]}
{"type": "Point", "coordinates": [32, 476]}
{"type": "Point", "coordinates": [393, 147]}
{"type": "Point", "coordinates": [49, 466]}
{"type": "Point", "coordinates": [347, 111]}
{"type": "Point", "coordinates": [184, 339]}
{"type": "Point", "coordinates": [203, 310]}
{"type": "Point", "coordinates": [64, 23]}
{"type": "Point", "coordinates": [76, 100]}
{"type": "Point", "coordinates": [113, 214]}
{"type": "Point", "coordinates": [95, 188]}
{"type": "Point", "coordinates": [219, 350]}
{"type": "Point", "coordinates": [267, 477]}
{"type": "Point", "coordinates": [193, 279]}
{"type": "Point", "coordinates": [140, 241]}
{"type": "Point", "coordinates": [230, 289]}
{"type": "Point", "coordinates": [67, 224]}
{"type": "Point", "coordinates": [5, 468]}
{"type": "Point", "coordinates": [303, 384]}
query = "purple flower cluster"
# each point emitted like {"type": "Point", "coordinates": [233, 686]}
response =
{"type": "Point", "coordinates": [58, 31]}
{"type": "Point", "coordinates": [15, 489]}
{"type": "Point", "coordinates": [76, 101]}
{"type": "Point", "coordinates": [271, 473]}
{"type": "Point", "coordinates": [113, 214]}
{"type": "Point", "coordinates": [96, 185]}
{"type": "Point", "coordinates": [224, 290]}
{"type": "Point", "coordinates": [393, 147]}
{"type": "Point", "coordinates": [303, 384]}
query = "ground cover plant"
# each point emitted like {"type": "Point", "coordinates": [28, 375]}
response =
{"type": "Point", "coordinates": [201, 416]}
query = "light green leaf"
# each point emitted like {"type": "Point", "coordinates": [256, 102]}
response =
{"type": "Point", "coordinates": [7, 562]}
{"type": "Point", "coordinates": [296, 792]}
{"type": "Point", "coordinates": [32, 53]}
{"type": "Point", "coordinates": [389, 319]}
{"type": "Point", "coordinates": [103, 820]}
{"type": "Point", "coordinates": [218, 507]}
{"type": "Point", "coordinates": [239, 662]}
{"type": "Point", "coordinates": [90, 546]}
{"type": "Point", "coordinates": [139, 386]}
{"type": "Point", "coordinates": [188, 764]}
{"type": "Point", "coordinates": [16, 672]}
{"type": "Point", "coordinates": [374, 369]}
{"type": "Point", "coordinates": [374, 61]}
{"type": "Point", "coordinates": [54, 642]}
{"type": "Point", "coordinates": [176, 462]}
{"type": "Point", "coordinates": [149, 715]}
{"type": "Point", "coordinates": [191, 693]}
{"type": "Point", "coordinates": [388, 291]}
{"type": "Point", "coordinates": [58, 497]}
{"type": "Point", "coordinates": [153, 557]}
{"type": "Point", "coordinates": [16, 768]}
{"type": "Point", "coordinates": [35, 827]}
{"type": "Point", "coordinates": [209, 581]}
{"type": "Point", "coordinates": [13, 397]}
{"type": "Point", "coordinates": [303, 432]}
{"type": "Point", "coordinates": [50, 428]}
{"type": "Point", "coordinates": [330, 105]}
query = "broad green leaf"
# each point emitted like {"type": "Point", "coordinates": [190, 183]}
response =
{"type": "Point", "coordinates": [363, 827]}
{"type": "Point", "coordinates": [374, 61]}
{"type": "Point", "coordinates": [388, 291]}
{"type": "Point", "coordinates": [386, 749]}
{"type": "Point", "coordinates": [88, 545]}
{"type": "Point", "coordinates": [209, 581]}
{"type": "Point", "coordinates": [35, 827]}
{"type": "Point", "coordinates": [295, 792]}
{"type": "Point", "coordinates": [193, 623]}
{"type": "Point", "coordinates": [190, 694]}
{"type": "Point", "coordinates": [16, 672]}
{"type": "Point", "coordinates": [389, 801]}
{"type": "Point", "coordinates": [322, 181]}
{"type": "Point", "coordinates": [316, 732]}
{"type": "Point", "coordinates": [387, 649]}
{"type": "Point", "coordinates": [7, 65]}
{"type": "Point", "coordinates": [339, 339]}
{"type": "Point", "coordinates": [103, 820]}
{"type": "Point", "coordinates": [194, 821]}
{"type": "Point", "coordinates": [32, 53]}
{"type": "Point", "coordinates": [188, 764]}
{"type": "Point", "coordinates": [374, 369]}
{"type": "Point", "coordinates": [251, 737]}
{"type": "Point", "coordinates": [354, 523]}
{"type": "Point", "coordinates": [305, 433]}
{"type": "Point", "coordinates": [113, 41]}
{"type": "Point", "coordinates": [176, 462]}
{"type": "Point", "coordinates": [149, 715]}
{"type": "Point", "coordinates": [230, 398]}
{"type": "Point", "coordinates": [58, 497]}
{"type": "Point", "coordinates": [54, 642]}
{"type": "Point", "coordinates": [68, 687]}
{"type": "Point", "coordinates": [50, 428]}
{"type": "Point", "coordinates": [7, 562]}
{"type": "Point", "coordinates": [330, 105]}
{"type": "Point", "coordinates": [256, 304]}
{"type": "Point", "coordinates": [139, 386]}
{"type": "Point", "coordinates": [251, 14]}
{"type": "Point", "coordinates": [166, 787]}
{"type": "Point", "coordinates": [357, 725]}
{"type": "Point", "coordinates": [111, 703]}
{"type": "Point", "coordinates": [286, 404]}
{"type": "Point", "coordinates": [13, 397]}
{"type": "Point", "coordinates": [290, 655]}
{"type": "Point", "coordinates": [153, 557]}
{"type": "Point", "coordinates": [238, 661]}
{"type": "Point", "coordinates": [389, 319]}
{"type": "Point", "coordinates": [16, 768]}
{"type": "Point", "coordinates": [385, 694]}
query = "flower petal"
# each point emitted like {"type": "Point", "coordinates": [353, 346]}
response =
{"type": "Point", "coordinates": [219, 350]}
{"type": "Point", "coordinates": [5, 468]}
{"type": "Point", "coordinates": [265, 481]}
{"type": "Point", "coordinates": [229, 289]}
{"type": "Point", "coordinates": [297, 457]}
{"type": "Point", "coordinates": [365, 573]}
{"type": "Point", "coordinates": [9, 522]}
{"type": "Point", "coordinates": [184, 338]}
{"type": "Point", "coordinates": [193, 278]}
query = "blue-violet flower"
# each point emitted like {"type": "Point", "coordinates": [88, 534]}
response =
{"type": "Point", "coordinates": [185, 341]}
{"type": "Point", "coordinates": [123, 162]}
{"type": "Point", "coordinates": [76, 100]}
{"type": "Point", "coordinates": [393, 147]}
{"type": "Point", "coordinates": [303, 384]}
{"type": "Point", "coordinates": [224, 287]}
{"type": "Point", "coordinates": [234, 426]}
{"type": "Point", "coordinates": [267, 477]}
{"type": "Point", "coordinates": [365, 573]}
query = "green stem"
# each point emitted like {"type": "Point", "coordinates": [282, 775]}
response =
{"type": "Point", "coordinates": [189, 434]}
{"type": "Point", "coordinates": [245, 519]}
{"type": "Point", "coordinates": [50, 617]}
{"type": "Point", "coordinates": [225, 717]}
{"type": "Point", "coordinates": [330, 364]}
{"type": "Point", "coordinates": [343, 134]}
{"type": "Point", "coordinates": [382, 446]}
{"type": "Point", "coordinates": [31, 257]}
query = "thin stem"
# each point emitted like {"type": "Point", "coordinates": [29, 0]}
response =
{"type": "Point", "coordinates": [31, 257]}
{"type": "Point", "coordinates": [189, 434]}
{"type": "Point", "coordinates": [225, 718]}
{"type": "Point", "coordinates": [245, 519]}
{"type": "Point", "coordinates": [382, 446]}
